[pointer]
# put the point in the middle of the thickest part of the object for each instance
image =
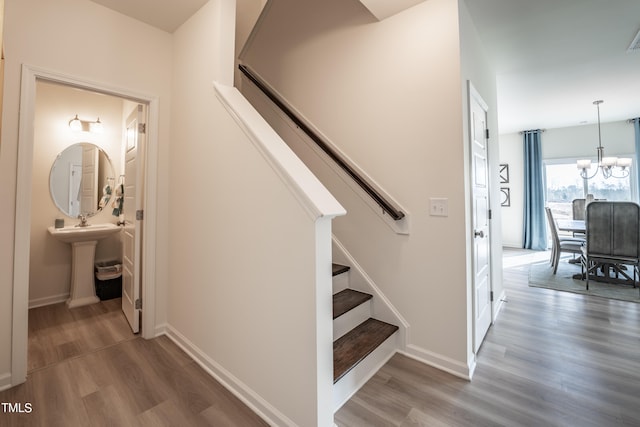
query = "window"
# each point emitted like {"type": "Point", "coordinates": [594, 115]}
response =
{"type": "Point", "coordinates": [563, 184]}
{"type": "Point", "coordinates": [609, 189]}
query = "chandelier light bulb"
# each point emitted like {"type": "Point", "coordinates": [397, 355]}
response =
{"type": "Point", "coordinates": [606, 165]}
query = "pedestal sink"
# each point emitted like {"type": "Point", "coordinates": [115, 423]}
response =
{"type": "Point", "coordinates": [83, 242]}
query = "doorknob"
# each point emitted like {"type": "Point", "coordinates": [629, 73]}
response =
{"type": "Point", "coordinates": [479, 233]}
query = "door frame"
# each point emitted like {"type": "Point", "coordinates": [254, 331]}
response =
{"type": "Point", "coordinates": [21, 253]}
{"type": "Point", "coordinates": [473, 94]}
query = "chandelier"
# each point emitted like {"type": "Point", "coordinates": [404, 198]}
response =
{"type": "Point", "coordinates": [609, 166]}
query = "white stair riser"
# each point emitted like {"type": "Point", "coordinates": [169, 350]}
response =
{"type": "Point", "coordinates": [351, 319]}
{"type": "Point", "coordinates": [363, 371]}
{"type": "Point", "coordinates": [340, 282]}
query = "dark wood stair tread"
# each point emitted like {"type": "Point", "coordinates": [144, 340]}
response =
{"type": "Point", "coordinates": [348, 299]}
{"type": "Point", "coordinates": [339, 269]}
{"type": "Point", "coordinates": [357, 344]}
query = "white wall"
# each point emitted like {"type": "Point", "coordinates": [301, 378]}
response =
{"type": "Point", "coordinates": [243, 276]}
{"type": "Point", "coordinates": [50, 260]}
{"type": "Point", "coordinates": [582, 141]}
{"type": "Point", "coordinates": [107, 48]}
{"type": "Point", "coordinates": [559, 143]}
{"type": "Point", "coordinates": [233, 225]}
{"type": "Point", "coordinates": [247, 13]}
{"type": "Point", "coordinates": [477, 69]}
{"type": "Point", "coordinates": [389, 95]}
{"type": "Point", "coordinates": [511, 153]}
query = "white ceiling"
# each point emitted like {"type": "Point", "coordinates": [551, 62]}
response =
{"type": "Point", "coordinates": [553, 58]}
{"type": "Point", "coordinates": [167, 15]}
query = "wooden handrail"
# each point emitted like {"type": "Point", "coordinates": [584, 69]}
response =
{"type": "Point", "coordinates": [386, 206]}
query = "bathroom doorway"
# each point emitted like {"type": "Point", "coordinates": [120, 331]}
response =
{"type": "Point", "coordinates": [31, 175]}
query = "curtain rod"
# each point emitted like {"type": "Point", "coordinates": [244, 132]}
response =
{"type": "Point", "coordinates": [532, 130]}
{"type": "Point", "coordinates": [544, 130]}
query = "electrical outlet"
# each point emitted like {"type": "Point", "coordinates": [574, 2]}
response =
{"type": "Point", "coordinates": [438, 206]}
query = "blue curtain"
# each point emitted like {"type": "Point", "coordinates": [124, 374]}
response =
{"type": "Point", "coordinates": [636, 161]}
{"type": "Point", "coordinates": [535, 229]}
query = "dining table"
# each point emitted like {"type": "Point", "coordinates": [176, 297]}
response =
{"type": "Point", "coordinates": [572, 225]}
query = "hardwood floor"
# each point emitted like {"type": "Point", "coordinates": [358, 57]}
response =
{"type": "Point", "coordinates": [551, 359]}
{"type": "Point", "coordinates": [57, 333]}
{"type": "Point", "coordinates": [88, 369]}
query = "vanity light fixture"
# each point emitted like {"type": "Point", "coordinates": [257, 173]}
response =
{"type": "Point", "coordinates": [605, 164]}
{"type": "Point", "coordinates": [77, 125]}
{"type": "Point", "coordinates": [96, 126]}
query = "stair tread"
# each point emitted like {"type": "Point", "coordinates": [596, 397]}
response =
{"type": "Point", "coordinates": [357, 344]}
{"type": "Point", "coordinates": [339, 268]}
{"type": "Point", "coordinates": [348, 299]}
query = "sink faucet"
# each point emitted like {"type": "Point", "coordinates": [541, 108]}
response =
{"type": "Point", "coordinates": [83, 220]}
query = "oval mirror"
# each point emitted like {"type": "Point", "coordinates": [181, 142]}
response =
{"type": "Point", "coordinates": [81, 180]}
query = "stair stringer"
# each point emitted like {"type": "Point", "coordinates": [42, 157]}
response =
{"type": "Point", "coordinates": [381, 307]}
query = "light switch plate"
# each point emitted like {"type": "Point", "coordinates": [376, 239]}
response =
{"type": "Point", "coordinates": [438, 206]}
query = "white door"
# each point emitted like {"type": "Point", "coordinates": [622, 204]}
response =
{"type": "Point", "coordinates": [89, 183]}
{"type": "Point", "coordinates": [133, 215]}
{"type": "Point", "coordinates": [75, 180]}
{"type": "Point", "coordinates": [480, 217]}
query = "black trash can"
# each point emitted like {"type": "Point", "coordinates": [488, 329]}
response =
{"type": "Point", "coordinates": [108, 280]}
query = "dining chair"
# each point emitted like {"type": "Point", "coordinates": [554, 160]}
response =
{"type": "Point", "coordinates": [559, 244]}
{"type": "Point", "coordinates": [578, 208]}
{"type": "Point", "coordinates": [613, 239]}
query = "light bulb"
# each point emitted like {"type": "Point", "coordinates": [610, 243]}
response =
{"type": "Point", "coordinates": [96, 127]}
{"type": "Point", "coordinates": [75, 124]}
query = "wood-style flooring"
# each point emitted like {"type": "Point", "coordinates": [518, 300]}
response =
{"type": "Point", "coordinates": [86, 368]}
{"type": "Point", "coordinates": [551, 359]}
{"type": "Point", "coordinates": [57, 333]}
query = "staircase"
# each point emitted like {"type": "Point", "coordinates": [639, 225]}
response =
{"type": "Point", "coordinates": [361, 343]}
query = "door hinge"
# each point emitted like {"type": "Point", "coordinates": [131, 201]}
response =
{"type": "Point", "coordinates": [490, 214]}
{"type": "Point", "coordinates": [490, 296]}
{"type": "Point", "coordinates": [142, 128]}
{"type": "Point", "coordinates": [139, 304]}
{"type": "Point", "coordinates": [486, 131]}
{"type": "Point", "coordinates": [139, 215]}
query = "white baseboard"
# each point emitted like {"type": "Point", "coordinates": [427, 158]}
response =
{"type": "Point", "coordinates": [512, 245]}
{"type": "Point", "coordinates": [54, 299]}
{"type": "Point", "coordinates": [501, 300]}
{"type": "Point", "coordinates": [250, 398]}
{"type": "Point", "coordinates": [161, 330]}
{"type": "Point", "coordinates": [439, 361]}
{"type": "Point", "coordinates": [5, 381]}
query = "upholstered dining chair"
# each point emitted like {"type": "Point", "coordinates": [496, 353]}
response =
{"type": "Point", "coordinates": [572, 245]}
{"type": "Point", "coordinates": [613, 239]}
